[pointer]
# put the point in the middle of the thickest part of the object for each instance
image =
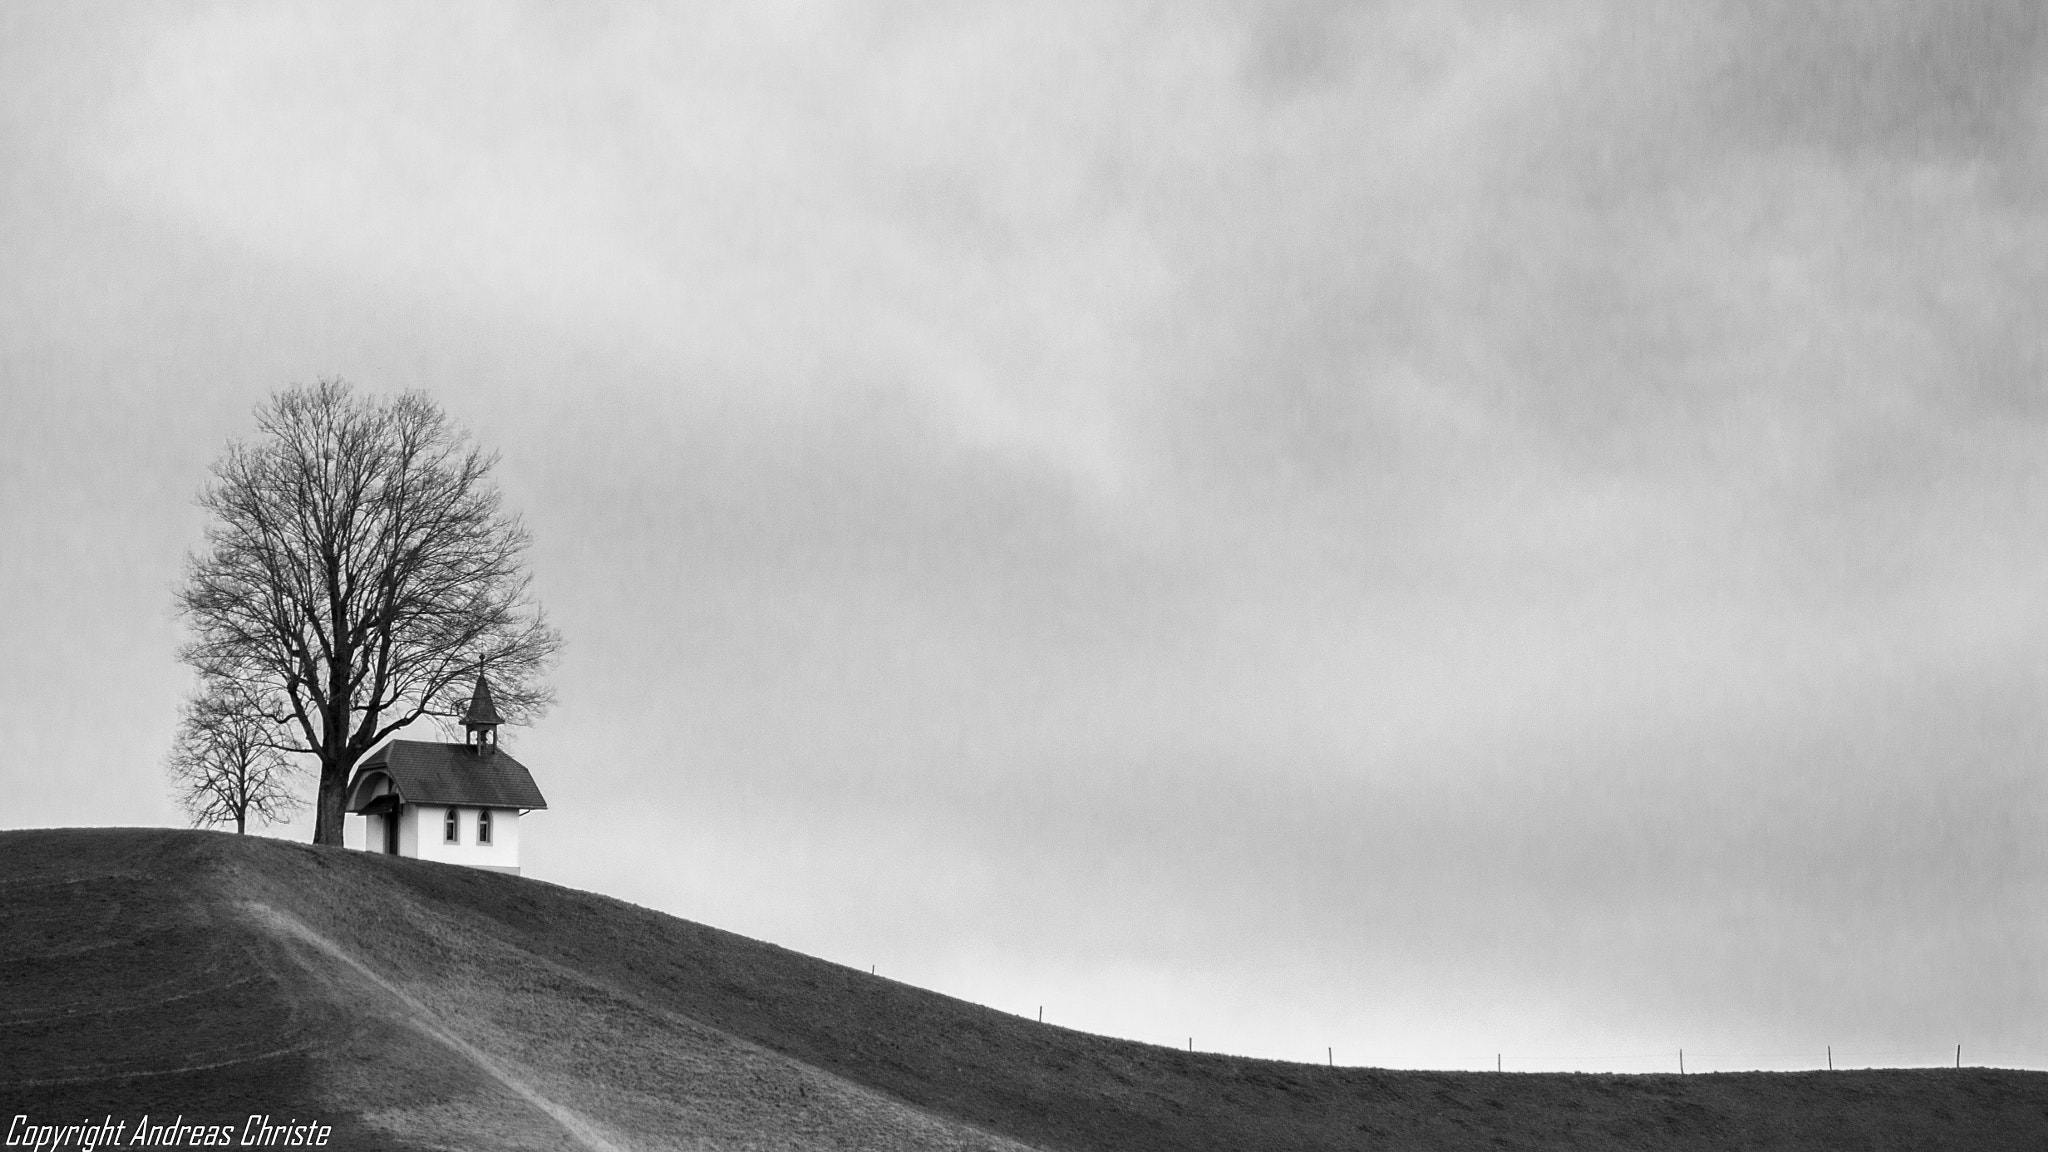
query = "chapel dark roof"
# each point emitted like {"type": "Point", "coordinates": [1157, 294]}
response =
{"type": "Point", "coordinates": [434, 773]}
{"type": "Point", "coordinates": [482, 710]}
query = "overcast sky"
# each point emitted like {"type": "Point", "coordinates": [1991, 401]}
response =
{"type": "Point", "coordinates": [1425, 529]}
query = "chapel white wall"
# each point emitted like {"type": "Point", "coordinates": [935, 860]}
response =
{"type": "Point", "coordinates": [430, 844]}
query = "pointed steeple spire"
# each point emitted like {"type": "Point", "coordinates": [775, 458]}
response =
{"type": "Point", "coordinates": [481, 721]}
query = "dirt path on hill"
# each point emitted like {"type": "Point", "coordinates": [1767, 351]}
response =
{"type": "Point", "coordinates": [581, 1129]}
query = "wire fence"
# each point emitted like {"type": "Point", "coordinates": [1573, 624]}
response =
{"type": "Point", "coordinates": [1826, 1058]}
{"type": "Point", "coordinates": [1688, 1061]}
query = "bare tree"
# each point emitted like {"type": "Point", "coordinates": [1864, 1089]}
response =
{"type": "Point", "coordinates": [225, 765]}
{"type": "Point", "coordinates": [358, 573]}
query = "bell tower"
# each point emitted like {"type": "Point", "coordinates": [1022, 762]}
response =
{"type": "Point", "coordinates": [481, 721]}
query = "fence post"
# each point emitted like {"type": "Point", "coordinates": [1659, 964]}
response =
{"type": "Point", "coordinates": [1681, 1061]}
{"type": "Point", "coordinates": [1831, 1057]}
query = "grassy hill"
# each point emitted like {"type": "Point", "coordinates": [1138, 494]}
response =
{"type": "Point", "coordinates": [417, 1005]}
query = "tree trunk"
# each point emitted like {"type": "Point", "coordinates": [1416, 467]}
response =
{"type": "Point", "coordinates": [332, 804]}
{"type": "Point", "coordinates": [241, 821]}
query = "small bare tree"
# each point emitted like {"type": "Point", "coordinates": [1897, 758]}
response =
{"type": "Point", "coordinates": [225, 765]}
{"type": "Point", "coordinates": [358, 574]}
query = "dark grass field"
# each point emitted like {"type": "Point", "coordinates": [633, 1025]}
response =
{"type": "Point", "coordinates": [417, 1005]}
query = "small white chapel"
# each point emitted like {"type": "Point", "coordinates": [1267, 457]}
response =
{"type": "Point", "coordinates": [455, 803]}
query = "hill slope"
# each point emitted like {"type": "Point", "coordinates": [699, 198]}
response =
{"type": "Point", "coordinates": [417, 1005]}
